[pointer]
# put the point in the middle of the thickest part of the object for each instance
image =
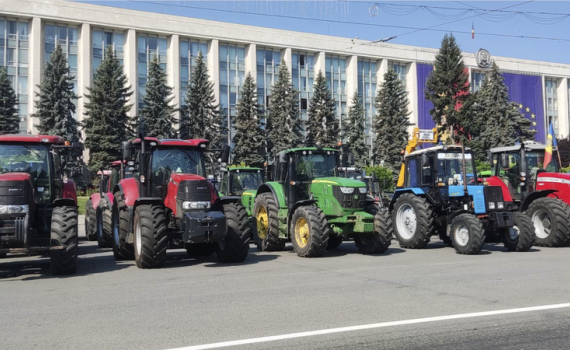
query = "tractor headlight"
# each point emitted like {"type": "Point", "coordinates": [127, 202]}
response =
{"type": "Point", "coordinates": [500, 205]}
{"type": "Point", "coordinates": [362, 189]}
{"type": "Point", "coordinates": [491, 205]}
{"type": "Point", "coordinates": [195, 205]}
{"type": "Point", "coordinates": [347, 190]}
{"type": "Point", "coordinates": [14, 209]}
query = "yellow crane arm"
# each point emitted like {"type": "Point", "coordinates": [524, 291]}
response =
{"type": "Point", "coordinates": [416, 140]}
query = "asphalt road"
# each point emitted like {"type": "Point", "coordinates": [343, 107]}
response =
{"type": "Point", "coordinates": [110, 305]}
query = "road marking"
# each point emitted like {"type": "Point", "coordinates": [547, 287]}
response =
{"type": "Point", "coordinates": [371, 326]}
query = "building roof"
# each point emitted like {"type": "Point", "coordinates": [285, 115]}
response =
{"type": "Point", "coordinates": [32, 139]}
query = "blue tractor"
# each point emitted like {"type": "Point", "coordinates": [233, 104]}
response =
{"type": "Point", "coordinates": [441, 195]}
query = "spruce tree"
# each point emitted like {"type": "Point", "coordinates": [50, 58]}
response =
{"type": "Point", "coordinates": [391, 122]}
{"type": "Point", "coordinates": [9, 120]}
{"type": "Point", "coordinates": [505, 125]}
{"type": "Point", "coordinates": [106, 121]}
{"type": "Point", "coordinates": [201, 117]}
{"type": "Point", "coordinates": [283, 120]}
{"type": "Point", "coordinates": [474, 120]}
{"type": "Point", "coordinates": [249, 139]}
{"type": "Point", "coordinates": [447, 86]}
{"type": "Point", "coordinates": [157, 115]}
{"type": "Point", "coordinates": [353, 133]}
{"type": "Point", "coordinates": [54, 104]}
{"type": "Point", "coordinates": [322, 127]}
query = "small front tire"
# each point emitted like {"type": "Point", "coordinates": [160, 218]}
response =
{"type": "Point", "coordinates": [150, 236]}
{"type": "Point", "coordinates": [467, 234]}
{"type": "Point", "coordinates": [64, 235]}
{"type": "Point", "coordinates": [309, 231]}
{"type": "Point", "coordinates": [521, 236]}
{"type": "Point", "coordinates": [90, 221]}
{"type": "Point", "coordinates": [235, 246]}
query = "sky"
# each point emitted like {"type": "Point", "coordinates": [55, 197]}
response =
{"type": "Point", "coordinates": [536, 30]}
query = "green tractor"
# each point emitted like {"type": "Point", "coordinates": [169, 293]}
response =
{"type": "Point", "coordinates": [241, 181]}
{"type": "Point", "coordinates": [313, 206]}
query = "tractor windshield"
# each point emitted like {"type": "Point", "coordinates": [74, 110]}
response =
{"type": "Point", "coordinates": [178, 160]}
{"type": "Point", "coordinates": [535, 161]}
{"type": "Point", "coordinates": [312, 166]}
{"type": "Point", "coordinates": [245, 180]}
{"type": "Point", "coordinates": [450, 165]}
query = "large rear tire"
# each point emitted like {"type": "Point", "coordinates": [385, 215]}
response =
{"type": "Point", "coordinates": [267, 223]}
{"type": "Point", "coordinates": [309, 231]}
{"type": "Point", "coordinates": [376, 242]}
{"type": "Point", "coordinates": [413, 221]}
{"type": "Point", "coordinates": [64, 234]}
{"type": "Point", "coordinates": [105, 238]}
{"type": "Point", "coordinates": [521, 237]}
{"type": "Point", "coordinates": [120, 224]}
{"type": "Point", "coordinates": [467, 234]}
{"type": "Point", "coordinates": [90, 221]}
{"type": "Point", "coordinates": [150, 236]}
{"type": "Point", "coordinates": [551, 219]}
{"type": "Point", "coordinates": [235, 247]}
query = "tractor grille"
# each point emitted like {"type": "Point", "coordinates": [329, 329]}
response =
{"type": "Point", "coordinates": [493, 194]}
{"type": "Point", "coordinates": [350, 201]}
{"type": "Point", "coordinates": [194, 190]}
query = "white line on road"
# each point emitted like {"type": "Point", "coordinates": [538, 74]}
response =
{"type": "Point", "coordinates": [371, 326]}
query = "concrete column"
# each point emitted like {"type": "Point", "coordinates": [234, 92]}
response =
{"type": "Point", "coordinates": [251, 60]}
{"type": "Point", "coordinates": [173, 71]}
{"type": "Point", "coordinates": [130, 62]}
{"type": "Point", "coordinates": [35, 63]}
{"type": "Point", "coordinates": [351, 78]}
{"type": "Point", "coordinates": [382, 69]}
{"type": "Point", "coordinates": [214, 66]}
{"type": "Point", "coordinates": [320, 63]}
{"type": "Point", "coordinates": [83, 69]}
{"type": "Point", "coordinates": [287, 56]}
{"type": "Point", "coordinates": [412, 89]}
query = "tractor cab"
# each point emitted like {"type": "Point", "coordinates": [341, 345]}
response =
{"type": "Point", "coordinates": [351, 173]}
{"type": "Point", "coordinates": [237, 180]}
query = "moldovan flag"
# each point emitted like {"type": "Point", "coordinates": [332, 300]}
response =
{"type": "Point", "coordinates": [550, 140]}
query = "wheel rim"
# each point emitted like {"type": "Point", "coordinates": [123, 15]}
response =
{"type": "Point", "coordinates": [406, 221]}
{"type": "Point", "coordinates": [513, 233]}
{"type": "Point", "coordinates": [262, 222]}
{"type": "Point", "coordinates": [542, 223]}
{"type": "Point", "coordinates": [138, 238]}
{"type": "Point", "coordinates": [302, 232]}
{"type": "Point", "coordinates": [461, 234]}
{"type": "Point", "coordinates": [115, 221]}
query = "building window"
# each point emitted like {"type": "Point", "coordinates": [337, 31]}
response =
{"type": "Point", "coordinates": [268, 61]}
{"type": "Point", "coordinates": [367, 84]}
{"type": "Point", "coordinates": [336, 81]}
{"type": "Point", "coordinates": [232, 74]}
{"type": "Point", "coordinates": [303, 79]}
{"type": "Point", "coordinates": [400, 69]}
{"type": "Point", "coordinates": [101, 40]}
{"type": "Point", "coordinates": [477, 80]}
{"type": "Point", "coordinates": [14, 56]}
{"type": "Point", "coordinates": [147, 48]}
{"type": "Point", "coordinates": [552, 103]}
{"type": "Point", "coordinates": [188, 52]}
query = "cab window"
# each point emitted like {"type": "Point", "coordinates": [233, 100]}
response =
{"type": "Point", "coordinates": [412, 173]}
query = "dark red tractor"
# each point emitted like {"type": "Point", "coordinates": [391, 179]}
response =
{"type": "Point", "coordinates": [98, 207]}
{"type": "Point", "coordinates": [169, 203]}
{"type": "Point", "coordinates": [38, 204]}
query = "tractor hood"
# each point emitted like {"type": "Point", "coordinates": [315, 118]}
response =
{"type": "Point", "coordinates": [16, 189]}
{"type": "Point", "coordinates": [554, 177]}
{"type": "Point", "coordinates": [188, 188]}
{"type": "Point", "coordinates": [15, 177]}
{"type": "Point", "coordinates": [339, 181]}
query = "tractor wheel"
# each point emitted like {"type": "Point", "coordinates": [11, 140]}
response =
{"type": "Point", "coordinates": [309, 231]}
{"type": "Point", "coordinates": [334, 241]}
{"type": "Point", "coordinates": [376, 242]}
{"type": "Point", "coordinates": [119, 224]}
{"type": "Point", "coordinates": [235, 247]}
{"type": "Point", "coordinates": [201, 249]}
{"type": "Point", "coordinates": [551, 219]}
{"type": "Point", "coordinates": [467, 234]}
{"type": "Point", "coordinates": [64, 234]}
{"type": "Point", "coordinates": [267, 223]}
{"type": "Point", "coordinates": [150, 236]}
{"type": "Point", "coordinates": [521, 237]}
{"type": "Point", "coordinates": [90, 221]}
{"type": "Point", "coordinates": [413, 221]}
{"type": "Point", "coordinates": [105, 229]}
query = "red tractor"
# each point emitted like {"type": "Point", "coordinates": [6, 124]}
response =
{"type": "Point", "coordinates": [98, 207]}
{"type": "Point", "coordinates": [531, 187]}
{"type": "Point", "coordinates": [169, 203]}
{"type": "Point", "coordinates": [38, 205]}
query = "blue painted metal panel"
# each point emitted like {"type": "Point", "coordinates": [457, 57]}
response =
{"type": "Point", "coordinates": [475, 192]}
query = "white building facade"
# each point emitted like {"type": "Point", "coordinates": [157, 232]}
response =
{"type": "Point", "coordinates": [30, 29]}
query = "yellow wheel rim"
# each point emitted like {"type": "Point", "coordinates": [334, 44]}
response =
{"type": "Point", "coordinates": [302, 232]}
{"type": "Point", "coordinates": [262, 222]}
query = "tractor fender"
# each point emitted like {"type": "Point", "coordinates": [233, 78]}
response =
{"type": "Point", "coordinates": [109, 197]}
{"type": "Point", "coordinates": [302, 203]}
{"type": "Point", "coordinates": [64, 202]}
{"type": "Point", "coordinates": [130, 190]}
{"type": "Point", "coordinates": [534, 196]}
{"type": "Point", "coordinates": [276, 189]}
{"type": "Point", "coordinates": [450, 217]}
{"type": "Point", "coordinates": [399, 192]}
{"type": "Point", "coordinates": [95, 199]}
{"type": "Point", "coordinates": [148, 201]}
{"type": "Point", "coordinates": [70, 191]}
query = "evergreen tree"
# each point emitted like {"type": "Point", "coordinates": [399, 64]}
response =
{"type": "Point", "coordinates": [505, 124]}
{"type": "Point", "coordinates": [249, 138]}
{"type": "Point", "coordinates": [353, 130]}
{"type": "Point", "coordinates": [201, 117]}
{"type": "Point", "coordinates": [322, 128]}
{"type": "Point", "coordinates": [106, 121]}
{"type": "Point", "coordinates": [283, 120]}
{"type": "Point", "coordinates": [9, 120]}
{"type": "Point", "coordinates": [447, 87]}
{"type": "Point", "coordinates": [55, 107]}
{"type": "Point", "coordinates": [474, 120]}
{"type": "Point", "coordinates": [391, 122]}
{"type": "Point", "coordinates": [157, 115]}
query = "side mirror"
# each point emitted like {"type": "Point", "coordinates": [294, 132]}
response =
{"type": "Point", "coordinates": [127, 150]}
{"type": "Point", "coordinates": [76, 149]}
{"type": "Point", "coordinates": [225, 157]}
{"type": "Point", "coordinates": [504, 160]}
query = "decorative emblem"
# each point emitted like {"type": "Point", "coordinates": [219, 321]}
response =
{"type": "Point", "coordinates": [483, 58]}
